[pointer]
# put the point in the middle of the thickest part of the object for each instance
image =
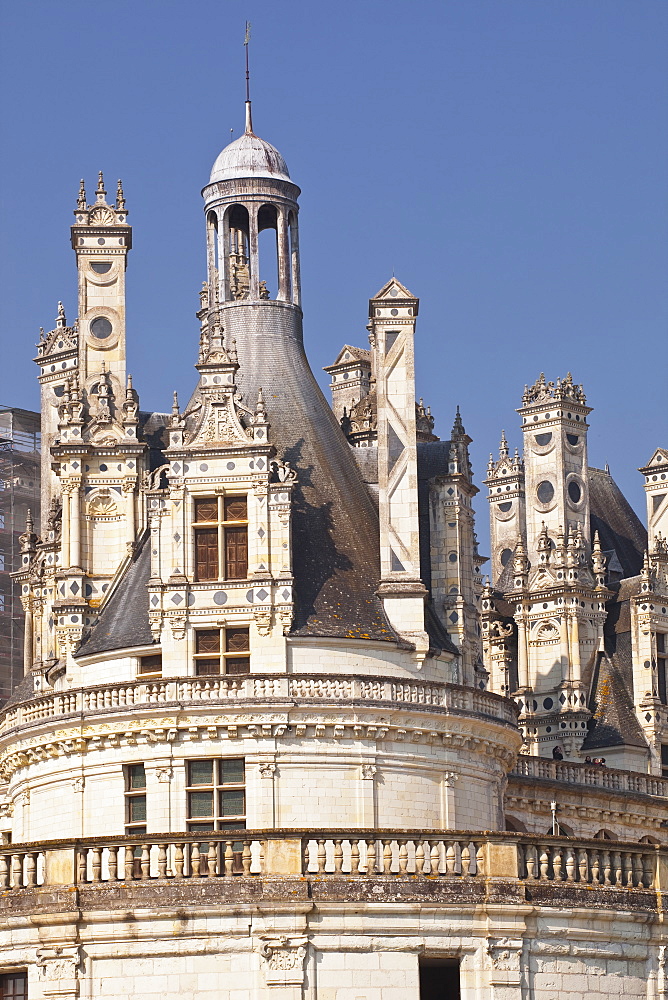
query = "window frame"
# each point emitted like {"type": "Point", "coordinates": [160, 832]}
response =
{"type": "Point", "coordinates": [155, 672]}
{"type": "Point", "coordinates": [224, 527]}
{"type": "Point", "coordinates": [223, 654]}
{"type": "Point", "coordinates": [662, 667]}
{"type": "Point", "coordinates": [6, 976]}
{"type": "Point", "coordinates": [217, 822]}
{"type": "Point", "coordinates": [132, 794]}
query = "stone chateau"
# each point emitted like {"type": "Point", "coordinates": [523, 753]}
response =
{"type": "Point", "coordinates": [278, 737]}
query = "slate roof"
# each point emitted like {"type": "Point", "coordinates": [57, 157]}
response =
{"type": "Point", "coordinates": [618, 525]}
{"type": "Point", "coordinates": [123, 621]}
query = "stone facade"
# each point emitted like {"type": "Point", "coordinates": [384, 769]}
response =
{"type": "Point", "coordinates": [268, 740]}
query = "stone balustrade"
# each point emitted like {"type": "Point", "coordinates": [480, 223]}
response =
{"type": "Point", "coordinates": [290, 687]}
{"type": "Point", "coordinates": [573, 773]}
{"type": "Point", "coordinates": [383, 854]}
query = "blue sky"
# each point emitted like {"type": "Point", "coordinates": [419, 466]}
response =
{"type": "Point", "coordinates": [505, 158]}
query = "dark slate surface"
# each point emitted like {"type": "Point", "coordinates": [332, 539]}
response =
{"type": "Point", "coordinates": [335, 524]}
{"type": "Point", "coordinates": [614, 721]}
{"type": "Point", "coordinates": [617, 523]}
{"type": "Point", "coordinates": [433, 458]}
{"type": "Point", "coordinates": [124, 619]}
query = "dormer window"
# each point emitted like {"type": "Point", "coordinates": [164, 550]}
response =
{"type": "Point", "coordinates": [100, 266]}
{"type": "Point", "coordinates": [221, 538]}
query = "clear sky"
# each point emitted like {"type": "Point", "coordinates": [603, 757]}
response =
{"type": "Point", "coordinates": [505, 158]}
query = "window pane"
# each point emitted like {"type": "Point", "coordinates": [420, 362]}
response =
{"type": "Point", "coordinates": [232, 771]}
{"type": "Point", "coordinates": [14, 985]}
{"type": "Point", "coordinates": [207, 642]}
{"type": "Point", "coordinates": [236, 553]}
{"type": "Point", "coordinates": [237, 640]}
{"type": "Point", "coordinates": [235, 509]}
{"type": "Point", "coordinates": [661, 642]}
{"type": "Point", "coordinates": [237, 664]}
{"type": "Point", "coordinates": [150, 664]}
{"type": "Point", "coordinates": [206, 554]}
{"type": "Point", "coordinates": [137, 809]}
{"type": "Point", "coordinates": [204, 667]}
{"type": "Point", "coordinates": [200, 803]}
{"type": "Point", "coordinates": [200, 772]}
{"type": "Point", "coordinates": [232, 802]}
{"type": "Point", "coordinates": [136, 776]}
{"type": "Point", "coordinates": [206, 510]}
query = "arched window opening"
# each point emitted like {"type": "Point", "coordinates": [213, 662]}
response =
{"type": "Point", "coordinates": [604, 835]}
{"type": "Point", "coordinates": [267, 226]}
{"type": "Point", "coordinates": [515, 825]}
{"type": "Point", "coordinates": [561, 831]}
{"type": "Point", "coordinates": [238, 252]}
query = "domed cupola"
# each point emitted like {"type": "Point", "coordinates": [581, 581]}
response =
{"type": "Point", "coordinates": [249, 156]}
{"type": "Point", "coordinates": [251, 213]}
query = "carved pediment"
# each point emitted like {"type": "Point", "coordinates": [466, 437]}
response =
{"type": "Point", "coordinates": [219, 423]}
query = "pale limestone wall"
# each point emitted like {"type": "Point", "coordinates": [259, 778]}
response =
{"type": "Point", "coordinates": [360, 952]}
{"type": "Point", "coordinates": [316, 782]}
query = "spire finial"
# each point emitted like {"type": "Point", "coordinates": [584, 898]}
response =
{"type": "Point", "coordinates": [81, 199]}
{"type": "Point", "coordinates": [175, 404]}
{"type": "Point", "coordinates": [60, 319]}
{"type": "Point", "coordinates": [99, 191]}
{"type": "Point", "coordinates": [503, 446]}
{"type": "Point", "coordinates": [120, 197]}
{"type": "Point", "coordinates": [249, 116]}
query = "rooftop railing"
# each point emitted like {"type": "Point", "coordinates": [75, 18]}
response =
{"type": "Point", "coordinates": [162, 691]}
{"type": "Point", "coordinates": [352, 855]}
{"type": "Point", "coordinates": [592, 776]}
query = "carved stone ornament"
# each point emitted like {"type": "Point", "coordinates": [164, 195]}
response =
{"type": "Point", "coordinates": [57, 964]}
{"type": "Point", "coordinates": [505, 954]}
{"type": "Point", "coordinates": [164, 773]}
{"type": "Point", "coordinates": [284, 958]}
{"type": "Point", "coordinates": [177, 623]}
{"type": "Point", "coordinates": [102, 505]}
{"type": "Point", "coordinates": [267, 770]}
{"type": "Point", "coordinates": [78, 783]}
{"type": "Point", "coordinates": [262, 620]}
{"type": "Point", "coordinates": [368, 770]}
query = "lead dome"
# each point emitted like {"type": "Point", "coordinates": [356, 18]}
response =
{"type": "Point", "coordinates": [249, 156]}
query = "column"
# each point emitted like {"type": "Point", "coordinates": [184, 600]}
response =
{"type": "Point", "coordinates": [522, 666]}
{"type": "Point", "coordinates": [564, 651]}
{"type": "Point", "coordinates": [294, 248]}
{"type": "Point", "coordinates": [75, 527]}
{"type": "Point", "coordinates": [575, 650]}
{"type": "Point", "coordinates": [254, 261]}
{"type": "Point", "coordinates": [130, 522]}
{"type": "Point", "coordinates": [65, 527]}
{"type": "Point", "coordinates": [27, 642]}
{"type": "Point", "coordinates": [283, 258]}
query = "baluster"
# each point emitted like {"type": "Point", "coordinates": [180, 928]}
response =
{"type": "Point", "coordinates": [466, 859]}
{"type": "Point", "coordinates": [387, 857]}
{"type": "Point", "coordinates": [321, 858]}
{"type": "Point", "coordinates": [570, 864]}
{"type": "Point", "coordinates": [354, 857]}
{"type": "Point", "coordinates": [306, 857]}
{"type": "Point", "coordinates": [96, 864]}
{"type": "Point", "coordinates": [179, 860]}
{"type": "Point", "coordinates": [195, 863]}
{"type": "Point", "coordinates": [617, 868]}
{"type": "Point", "coordinates": [129, 862]}
{"type": "Point", "coordinates": [212, 859]}
{"type": "Point", "coordinates": [557, 859]}
{"type": "Point", "coordinates": [434, 857]}
{"type": "Point", "coordinates": [479, 859]}
{"type": "Point", "coordinates": [607, 868]}
{"type": "Point", "coordinates": [145, 863]}
{"type": "Point", "coordinates": [403, 857]}
{"type": "Point", "coordinates": [246, 858]}
{"type": "Point", "coordinates": [450, 859]}
{"type": "Point", "coordinates": [4, 871]}
{"type": "Point", "coordinates": [648, 871]}
{"type": "Point", "coordinates": [228, 867]}
{"type": "Point", "coordinates": [262, 857]}
{"type": "Point", "coordinates": [113, 864]}
{"type": "Point", "coordinates": [370, 857]}
{"type": "Point", "coordinates": [419, 858]}
{"type": "Point", "coordinates": [17, 871]}
{"type": "Point", "coordinates": [637, 870]}
{"type": "Point", "coordinates": [595, 867]}
{"type": "Point", "coordinates": [31, 869]}
{"type": "Point", "coordinates": [82, 871]}
{"type": "Point", "coordinates": [583, 865]}
{"type": "Point", "coordinates": [338, 857]}
{"type": "Point", "coordinates": [162, 861]}
{"type": "Point", "coordinates": [544, 863]}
